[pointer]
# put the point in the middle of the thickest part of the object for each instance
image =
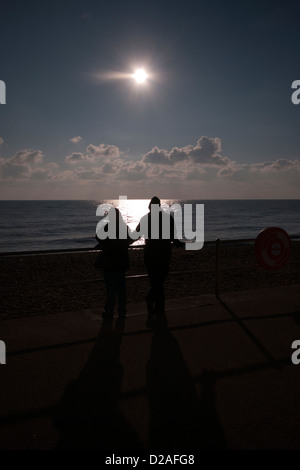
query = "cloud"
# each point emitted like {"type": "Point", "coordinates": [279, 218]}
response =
{"type": "Point", "coordinates": [1, 140]}
{"type": "Point", "coordinates": [280, 169]}
{"type": "Point", "coordinates": [108, 168]}
{"type": "Point", "coordinates": [76, 139]}
{"type": "Point", "coordinates": [133, 171]}
{"type": "Point", "coordinates": [10, 170]}
{"type": "Point", "coordinates": [91, 174]}
{"type": "Point", "coordinates": [197, 174]}
{"type": "Point", "coordinates": [102, 151]}
{"type": "Point", "coordinates": [20, 165]}
{"type": "Point", "coordinates": [28, 156]}
{"type": "Point", "coordinates": [25, 165]}
{"type": "Point", "coordinates": [281, 173]}
{"type": "Point", "coordinates": [65, 176]}
{"type": "Point", "coordinates": [192, 163]}
{"type": "Point", "coordinates": [206, 152]}
{"type": "Point", "coordinates": [281, 164]}
{"type": "Point", "coordinates": [95, 153]}
{"type": "Point", "coordinates": [75, 157]}
{"type": "Point", "coordinates": [181, 170]}
{"type": "Point", "coordinates": [48, 172]}
{"type": "Point", "coordinates": [156, 156]}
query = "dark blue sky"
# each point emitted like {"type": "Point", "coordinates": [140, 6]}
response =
{"type": "Point", "coordinates": [220, 71]}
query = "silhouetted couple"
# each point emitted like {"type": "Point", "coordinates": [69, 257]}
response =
{"type": "Point", "coordinates": [158, 229]}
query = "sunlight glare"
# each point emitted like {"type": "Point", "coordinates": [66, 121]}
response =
{"type": "Point", "coordinates": [140, 76]}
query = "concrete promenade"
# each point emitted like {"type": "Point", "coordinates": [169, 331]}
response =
{"type": "Point", "coordinates": [218, 375]}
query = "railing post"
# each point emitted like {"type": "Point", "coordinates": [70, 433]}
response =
{"type": "Point", "coordinates": [217, 267]}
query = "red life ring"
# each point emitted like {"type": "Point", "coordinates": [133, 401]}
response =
{"type": "Point", "coordinates": [272, 248]}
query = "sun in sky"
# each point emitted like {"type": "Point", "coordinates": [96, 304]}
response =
{"type": "Point", "coordinates": [140, 76]}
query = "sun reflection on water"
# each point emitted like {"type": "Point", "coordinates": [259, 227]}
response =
{"type": "Point", "coordinates": [132, 211]}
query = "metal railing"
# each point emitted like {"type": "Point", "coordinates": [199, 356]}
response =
{"type": "Point", "coordinates": [217, 267]}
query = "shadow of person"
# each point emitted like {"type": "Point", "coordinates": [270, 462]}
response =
{"type": "Point", "coordinates": [179, 418]}
{"type": "Point", "coordinates": [88, 415]}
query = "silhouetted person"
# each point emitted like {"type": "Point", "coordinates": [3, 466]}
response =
{"type": "Point", "coordinates": [159, 231]}
{"type": "Point", "coordinates": [115, 262]}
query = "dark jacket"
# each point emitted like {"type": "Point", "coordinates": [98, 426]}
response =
{"type": "Point", "coordinates": [114, 256]}
{"type": "Point", "coordinates": [157, 254]}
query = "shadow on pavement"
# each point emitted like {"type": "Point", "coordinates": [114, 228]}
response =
{"type": "Point", "coordinates": [179, 417]}
{"type": "Point", "coordinates": [88, 416]}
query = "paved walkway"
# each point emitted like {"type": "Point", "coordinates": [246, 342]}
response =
{"type": "Point", "coordinates": [218, 376]}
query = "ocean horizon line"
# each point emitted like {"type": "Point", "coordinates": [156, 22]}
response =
{"type": "Point", "coordinates": [144, 199]}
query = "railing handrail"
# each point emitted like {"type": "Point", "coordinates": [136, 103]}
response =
{"type": "Point", "coordinates": [217, 265]}
{"type": "Point", "coordinates": [134, 247]}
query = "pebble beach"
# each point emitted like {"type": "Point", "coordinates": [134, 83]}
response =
{"type": "Point", "coordinates": [63, 282]}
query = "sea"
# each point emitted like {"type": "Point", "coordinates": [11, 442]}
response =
{"type": "Point", "coordinates": [61, 225]}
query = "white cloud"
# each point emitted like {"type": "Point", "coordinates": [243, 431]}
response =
{"type": "Point", "coordinates": [10, 170]}
{"type": "Point", "coordinates": [88, 174]}
{"type": "Point", "coordinates": [108, 168]}
{"type": "Point", "coordinates": [281, 164]}
{"type": "Point", "coordinates": [21, 165]}
{"type": "Point", "coordinates": [95, 153]}
{"type": "Point", "coordinates": [250, 171]}
{"type": "Point", "coordinates": [27, 164]}
{"type": "Point", "coordinates": [206, 152]}
{"type": "Point", "coordinates": [28, 156]}
{"type": "Point", "coordinates": [76, 139]}
{"type": "Point", "coordinates": [156, 156]}
{"type": "Point", "coordinates": [133, 171]}
{"type": "Point", "coordinates": [75, 157]}
{"type": "Point", "coordinates": [102, 151]}
{"type": "Point", "coordinates": [185, 170]}
{"type": "Point", "coordinates": [48, 172]}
